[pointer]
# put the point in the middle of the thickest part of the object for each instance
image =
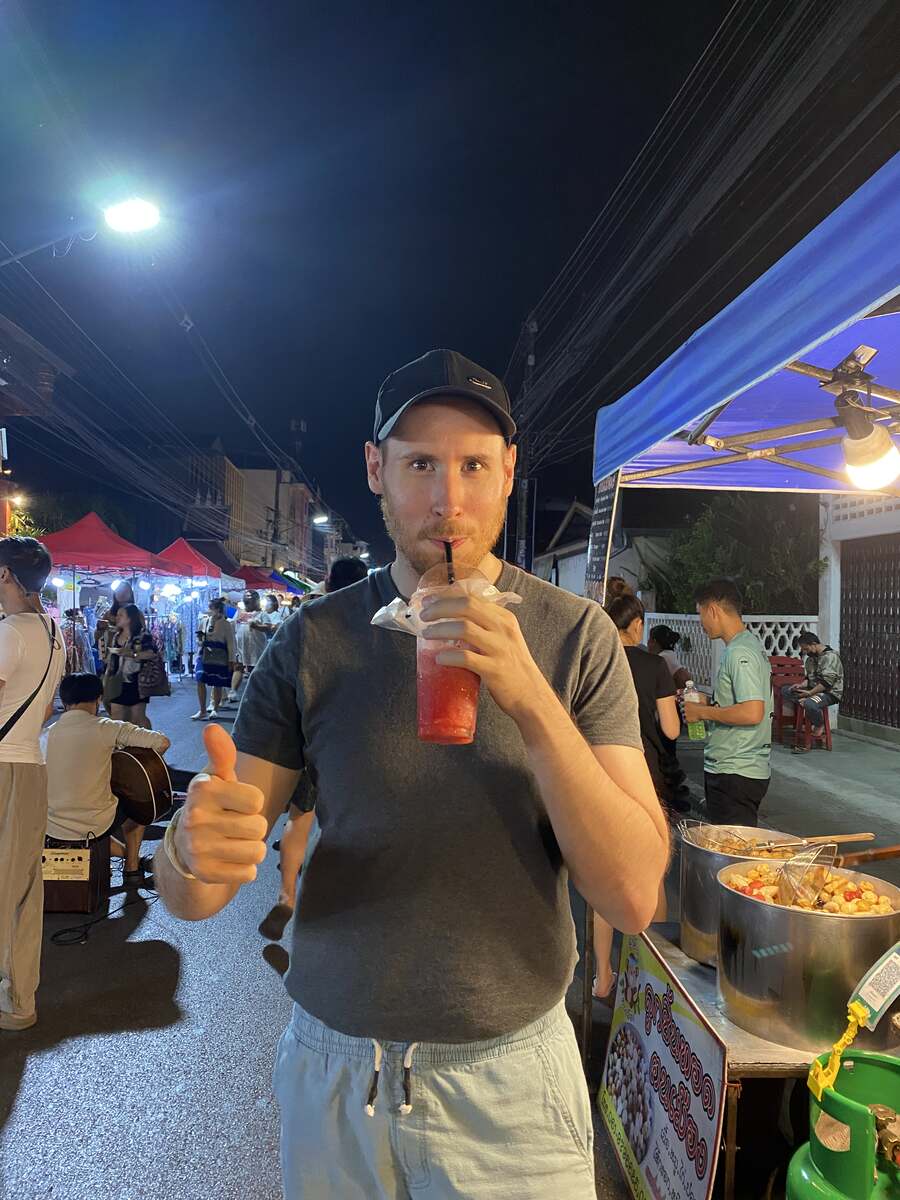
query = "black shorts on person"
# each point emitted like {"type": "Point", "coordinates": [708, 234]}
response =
{"type": "Point", "coordinates": [733, 799]}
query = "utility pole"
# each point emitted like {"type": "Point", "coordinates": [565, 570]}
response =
{"type": "Point", "coordinates": [276, 515]}
{"type": "Point", "coordinates": [524, 484]}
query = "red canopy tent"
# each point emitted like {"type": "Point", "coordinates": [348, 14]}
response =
{"type": "Point", "coordinates": [182, 553]}
{"type": "Point", "coordinates": [257, 578]}
{"type": "Point", "coordinates": [90, 545]}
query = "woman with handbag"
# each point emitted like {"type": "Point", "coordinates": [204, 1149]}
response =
{"type": "Point", "coordinates": [216, 660]}
{"type": "Point", "coordinates": [129, 647]}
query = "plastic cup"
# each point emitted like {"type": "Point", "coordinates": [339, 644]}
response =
{"type": "Point", "coordinates": [447, 697]}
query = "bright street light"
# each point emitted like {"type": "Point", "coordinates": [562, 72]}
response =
{"type": "Point", "coordinates": [18, 501]}
{"type": "Point", "coordinates": [320, 519]}
{"type": "Point", "coordinates": [132, 216]}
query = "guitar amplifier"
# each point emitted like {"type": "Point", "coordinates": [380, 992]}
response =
{"type": "Point", "coordinates": [76, 875]}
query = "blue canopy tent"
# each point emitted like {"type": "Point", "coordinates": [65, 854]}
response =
{"type": "Point", "coordinates": [748, 402]}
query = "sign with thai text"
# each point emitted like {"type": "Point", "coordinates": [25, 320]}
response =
{"type": "Point", "coordinates": [663, 1092]}
{"type": "Point", "coordinates": [606, 496]}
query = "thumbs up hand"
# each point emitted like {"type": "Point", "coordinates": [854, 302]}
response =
{"type": "Point", "coordinates": [221, 833]}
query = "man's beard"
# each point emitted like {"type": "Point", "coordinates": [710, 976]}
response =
{"type": "Point", "coordinates": [416, 548]}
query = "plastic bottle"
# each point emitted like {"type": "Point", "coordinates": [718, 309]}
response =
{"type": "Point", "coordinates": [696, 730]}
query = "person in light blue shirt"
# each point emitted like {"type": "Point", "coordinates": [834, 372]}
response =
{"type": "Point", "coordinates": [739, 722]}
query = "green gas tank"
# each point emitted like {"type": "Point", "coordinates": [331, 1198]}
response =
{"type": "Point", "coordinates": [853, 1152]}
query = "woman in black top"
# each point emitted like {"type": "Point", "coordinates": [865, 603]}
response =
{"type": "Point", "coordinates": [127, 648]}
{"type": "Point", "coordinates": [655, 687]}
{"type": "Point", "coordinates": [658, 715]}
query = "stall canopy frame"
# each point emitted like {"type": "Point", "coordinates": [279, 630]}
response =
{"type": "Point", "coordinates": [748, 401]}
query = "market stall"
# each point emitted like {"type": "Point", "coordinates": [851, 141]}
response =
{"type": "Point", "coordinates": [90, 560]}
{"type": "Point", "coordinates": [794, 386]}
{"type": "Point", "coordinates": [182, 605]}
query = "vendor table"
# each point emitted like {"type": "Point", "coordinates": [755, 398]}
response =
{"type": "Point", "coordinates": [749, 1057]}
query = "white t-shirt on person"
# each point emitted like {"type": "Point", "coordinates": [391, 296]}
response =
{"type": "Point", "coordinates": [24, 651]}
{"type": "Point", "coordinates": [671, 660]}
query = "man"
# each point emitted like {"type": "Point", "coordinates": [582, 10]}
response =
{"type": "Point", "coordinates": [79, 768]}
{"type": "Point", "coordinates": [430, 1050]}
{"type": "Point", "coordinates": [32, 659]}
{"type": "Point", "coordinates": [739, 726]}
{"type": "Point", "coordinates": [250, 635]}
{"type": "Point", "coordinates": [824, 684]}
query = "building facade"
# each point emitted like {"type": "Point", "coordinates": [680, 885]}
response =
{"type": "Point", "coordinates": [859, 607]}
{"type": "Point", "coordinates": [278, 511]}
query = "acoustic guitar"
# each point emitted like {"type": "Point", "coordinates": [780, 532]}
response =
{"type": "Point", "coordinates": [141, 782]}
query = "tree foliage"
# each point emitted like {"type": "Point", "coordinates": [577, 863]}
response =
{"type": "Point", "coordinates": [769, 544]}
{"type": "Point", "coordinates": [52, 511]}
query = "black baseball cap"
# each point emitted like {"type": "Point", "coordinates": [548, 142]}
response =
{"type": "Point", "coordinates": [440, 373]}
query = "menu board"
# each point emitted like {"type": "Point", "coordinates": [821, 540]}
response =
{"type": "Point", "coordinates": [663, 1092]}
{"type": "Point", "coordinates": [606, 496]}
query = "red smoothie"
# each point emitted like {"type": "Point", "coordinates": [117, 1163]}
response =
{"type": "Point", "coordinates": [447, 698]}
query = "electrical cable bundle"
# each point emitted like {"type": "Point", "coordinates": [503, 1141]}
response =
{"type": "Point", "coordinates": [728, 140]}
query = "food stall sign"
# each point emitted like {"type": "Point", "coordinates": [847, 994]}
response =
{"type": "Point", "coordinates": [662, 1097]}
{"type": "Point", "coordinates": [606, 499]}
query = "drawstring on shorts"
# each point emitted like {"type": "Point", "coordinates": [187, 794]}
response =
{"type": "Point", "coordinates": [406, 1106]}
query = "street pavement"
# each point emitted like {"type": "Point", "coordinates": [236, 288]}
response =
{"type": "Point", "coordinates": [149, 1072]}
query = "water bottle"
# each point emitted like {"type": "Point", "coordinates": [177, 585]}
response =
{"type": "Point", "coordinates": [696, 730]}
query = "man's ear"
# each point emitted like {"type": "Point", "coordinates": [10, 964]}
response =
{"type": "Point", "coordinates": [510, 456]}
{"type": "Point", "coordinates": [375, 468]}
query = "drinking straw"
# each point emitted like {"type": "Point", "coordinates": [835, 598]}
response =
{"type": "Point", "coordinates": [448, 554]}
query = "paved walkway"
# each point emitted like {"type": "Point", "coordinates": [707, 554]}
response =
{"type": "Point", "coordinates": [852, 789]}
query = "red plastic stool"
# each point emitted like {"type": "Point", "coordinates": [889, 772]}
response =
{"type": "Point", "coordinates": [803, 728]}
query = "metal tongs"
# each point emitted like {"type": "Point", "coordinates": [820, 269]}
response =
{"type": "Point", "coordinates": [824, 839]}
{"type": "Point", "coordinates": [803, 876]}
{"type": "Point", "coordinates": [708, 836]}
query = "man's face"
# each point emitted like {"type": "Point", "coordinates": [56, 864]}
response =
{"type": "Point", "coordinates": [444, 474]}
{"type": "Point", "coordinates": [710, 619]}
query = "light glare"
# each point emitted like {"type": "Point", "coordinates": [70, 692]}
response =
{"type": "Point", "coordinates": [871, 477]}
{"type": "Point", "coordinates": [132, 216]}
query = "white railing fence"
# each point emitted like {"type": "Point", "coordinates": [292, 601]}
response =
{"type": "Point", "coordinates": [701, 656]}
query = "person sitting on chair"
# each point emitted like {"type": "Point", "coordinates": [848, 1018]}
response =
{"type": "Point", "coordinates": [824, 683]}
{"type": "Point", "coordinates": [79, 768]}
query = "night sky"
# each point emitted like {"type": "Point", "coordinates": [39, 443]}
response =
{"type": "Point", "coordinates": [344, 187]}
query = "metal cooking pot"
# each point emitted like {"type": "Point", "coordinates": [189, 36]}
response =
{"type": "Point", "coordinates": [700, 891]}
{"type": "Point", "coordinates": [786, 974]}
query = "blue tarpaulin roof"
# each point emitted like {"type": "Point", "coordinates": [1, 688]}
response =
{"type": "Point", "coordinates": [809, 306]}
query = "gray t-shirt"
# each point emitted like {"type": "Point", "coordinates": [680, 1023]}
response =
{"type": "Point", "coordinates": [435, 905]}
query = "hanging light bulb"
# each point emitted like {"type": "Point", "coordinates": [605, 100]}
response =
{"type": "Point", "coordinates": [57, 582]}
{"type": "Point", "coordinates": [144, 585]}
{"type": "Point", "coordinates": [870, 453]}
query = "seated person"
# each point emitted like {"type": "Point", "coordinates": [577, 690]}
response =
{"type": "Point", "coordinates": [824, 683]}
{"type": "Point", "coordinates": [79, 768]}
